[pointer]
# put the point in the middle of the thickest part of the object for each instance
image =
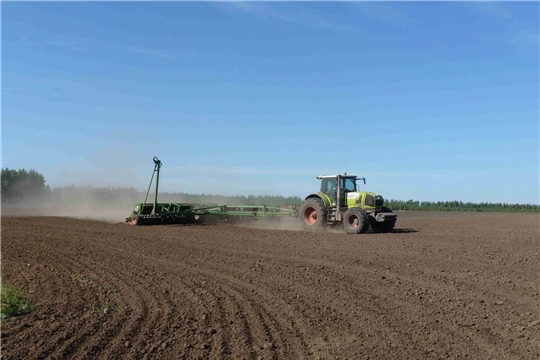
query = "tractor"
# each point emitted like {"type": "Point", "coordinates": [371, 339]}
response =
{"type": "Point", "coordinates": [339, 201]}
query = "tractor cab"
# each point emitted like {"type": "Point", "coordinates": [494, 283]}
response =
{"type": "Point", "coordinates": [347, 184]}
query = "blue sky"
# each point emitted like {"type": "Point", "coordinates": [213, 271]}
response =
{"type": "Point", "coordinates": [427, 100]}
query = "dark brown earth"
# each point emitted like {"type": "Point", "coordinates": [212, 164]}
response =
{"type": "Point", "coordinates": [442, 286]}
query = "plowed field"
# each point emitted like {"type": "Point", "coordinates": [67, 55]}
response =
{"type": "Point", "coordinates": [442, 286]}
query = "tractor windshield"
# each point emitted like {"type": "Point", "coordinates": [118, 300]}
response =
{"type": "Point", "coordinates": [348, 184]}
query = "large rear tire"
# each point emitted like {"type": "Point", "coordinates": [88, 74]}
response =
{"type": "Point", "coordinates": [313, 215]}
{"type": "Point", "coordinates": [355, 221]}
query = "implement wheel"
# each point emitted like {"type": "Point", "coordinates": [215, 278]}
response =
{"type": "Point", "coordinates": [313, 215]}
{"type": "Point", "coordinates": [135, 219]}
{"type": "Point", "coordinates": [355, 221]}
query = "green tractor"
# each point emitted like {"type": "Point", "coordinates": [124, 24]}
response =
{"type": "Point", "coordinates": [339, 201]}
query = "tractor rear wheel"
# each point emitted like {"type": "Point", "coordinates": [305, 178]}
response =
{"type": "Point", "coordinates": [313, 215]}
{"type": "Point", "coordinates": [355, 221]}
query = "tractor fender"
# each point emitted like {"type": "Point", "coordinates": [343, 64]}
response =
{"type": "Point", "coordinates": [322, 196]}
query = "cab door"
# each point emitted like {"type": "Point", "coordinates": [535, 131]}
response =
{"type": "Point", "coordinates": [346, 185]}
{"type": "Point", "coordinates": [328, 186]}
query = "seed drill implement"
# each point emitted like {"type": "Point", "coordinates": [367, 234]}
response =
{"type": "Point", "coordinates": [157, 213]}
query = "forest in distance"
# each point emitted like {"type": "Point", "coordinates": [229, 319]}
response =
{"type": "Point", "coordinates": [29, 186]}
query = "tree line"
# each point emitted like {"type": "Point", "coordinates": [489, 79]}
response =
{"type": "Point", "coordinates": [20, 186]}
{"type": "Point", "coordinates": [412, 205]}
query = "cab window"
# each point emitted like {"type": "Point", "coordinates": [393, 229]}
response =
{"type": "Point", "coordinates": [348, 184]}
{"type": "Point", "coordinates": [328, 186]}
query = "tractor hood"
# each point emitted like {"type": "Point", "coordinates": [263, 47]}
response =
{"type": "Point", "coordinates": [363, 198]}
{"type": "Point", "coordinates": [368, 200]}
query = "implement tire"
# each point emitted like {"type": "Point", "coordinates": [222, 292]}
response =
{"type": "Point", "coordinates": [134, 219]}
{"type": "Point", "coordinates": [313, 215]}
{"type": "Point", "coordinates": [137, 220]}
{"type": "Point", "coordinates": [355, 221]}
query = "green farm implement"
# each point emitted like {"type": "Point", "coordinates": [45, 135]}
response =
{"type": "Point", "coordinates": [190, 213]}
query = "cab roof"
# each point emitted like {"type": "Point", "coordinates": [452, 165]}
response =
{"type": "Point", "coordinates": [335, 176]}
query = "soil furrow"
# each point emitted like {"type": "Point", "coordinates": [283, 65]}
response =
{"type": "Point", "coordinates": [442, 286]}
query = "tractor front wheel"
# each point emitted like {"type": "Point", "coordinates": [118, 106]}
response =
{"type": "Point", "coordinates": [355, 221]}
{"type": "Point", "coordinates": [313, 215]}
{"type": "Point", "coordinates": [383, 227]}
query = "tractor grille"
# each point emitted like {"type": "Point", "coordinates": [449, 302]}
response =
{"type": "Point", "coordinates": [370, 200]}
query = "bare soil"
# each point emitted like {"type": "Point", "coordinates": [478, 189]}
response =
{"type": "Point", "coordinates": [442, 286]}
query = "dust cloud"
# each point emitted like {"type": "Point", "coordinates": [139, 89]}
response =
{"type": "Point", "coordinates": [284, 223]}
{"type": "Point", "coordinates": [114, 205]}
{"type": "Point", "coordinates": [105, 204]}
{"type": "Point", "coordinates": [270, 223]}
